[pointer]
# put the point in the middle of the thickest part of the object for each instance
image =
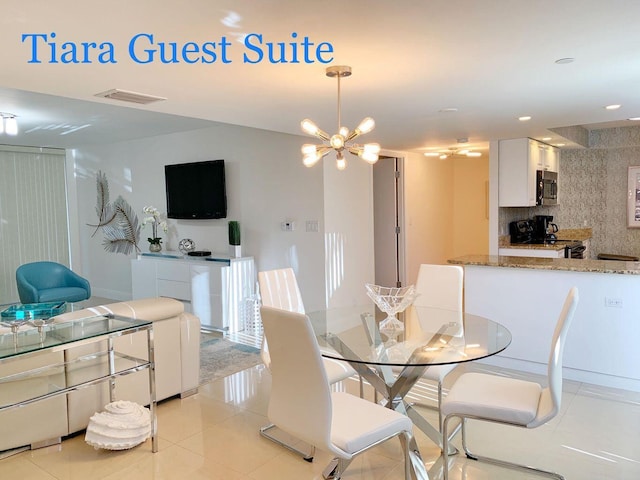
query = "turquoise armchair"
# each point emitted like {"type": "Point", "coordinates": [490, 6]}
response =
{"type": "Point", "coordinates": [50, 282]}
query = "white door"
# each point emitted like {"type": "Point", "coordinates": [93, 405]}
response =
{"type": "Point", "coordinates": [387, 220]}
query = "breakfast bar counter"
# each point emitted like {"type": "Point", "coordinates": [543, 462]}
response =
{"type": "Point", "coordinates": [526, 294]}
{"type": "Point", "coordinates": [566, 264]}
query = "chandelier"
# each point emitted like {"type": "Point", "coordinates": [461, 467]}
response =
{"type": "Point", "coordinates": [339, 142]}
{"type": "Point", "coordinates": [453, 152]}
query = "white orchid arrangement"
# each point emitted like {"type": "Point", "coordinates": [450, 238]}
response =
{"type": "Point", "coordinates": [154, 219]}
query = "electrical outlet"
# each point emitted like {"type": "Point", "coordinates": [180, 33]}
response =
{"type": "Point", "coordinates": [614, 302]}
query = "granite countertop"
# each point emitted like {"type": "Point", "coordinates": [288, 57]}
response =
{"type": "Point", "coordinates": [576, 234]}
{"type": "Point", "coordinates": [565, 264]}
{"type": "Point", "coordinates": [535, 246]}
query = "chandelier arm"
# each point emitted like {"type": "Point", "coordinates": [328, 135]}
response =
{"type": "Point", "coordinates": [352, 135]}
{"type": "Point", "coordinates": [323, 150]}
{"type": "Point", "coordinates": [321, 134]}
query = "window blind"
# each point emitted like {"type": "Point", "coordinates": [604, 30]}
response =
{"type": "Point", "coordinates": [33, 212]}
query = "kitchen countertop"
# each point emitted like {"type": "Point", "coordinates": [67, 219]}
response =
{"type": "Point", "coordinates": [565, 264]}
{"type": "Point", "coordinates": [577, 234]}
{"type": "Point", "coordinates": [535, 246]}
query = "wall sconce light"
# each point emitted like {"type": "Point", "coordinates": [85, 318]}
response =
{"type": "Point", "coordinates": [8, 123]}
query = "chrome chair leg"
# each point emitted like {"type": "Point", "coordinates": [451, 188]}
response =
{"type": "Point", "coordinates": [479, 458]}
{"type": "Point", "coordinates": [414, 467]}
{"type": "Point", "coordinates": [335, 469]}
{"type": "Point", "coordinates": [308, 456]}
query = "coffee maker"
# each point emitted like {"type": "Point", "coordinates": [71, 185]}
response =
{"type": "Point", "coordinates": [542, 225]}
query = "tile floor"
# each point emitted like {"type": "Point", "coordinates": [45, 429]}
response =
{"type": "Point", "coordinates": [214, 435]}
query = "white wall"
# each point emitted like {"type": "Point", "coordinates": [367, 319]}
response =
{"type": "Point", "coordinates": [348, 218]}
{"type": "Point", "coordinates": [429, 212]}
{"type": "Point", "coordinates": [266, 184]}
{"type": "Point", "coordinates": [470, 206]}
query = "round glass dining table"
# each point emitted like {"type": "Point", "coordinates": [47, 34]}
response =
{"type": "Point", "coordinates": [393, 362]}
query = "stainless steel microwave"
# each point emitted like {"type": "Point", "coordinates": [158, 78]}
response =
{"type": "Point", "coordinates": [547, 188]}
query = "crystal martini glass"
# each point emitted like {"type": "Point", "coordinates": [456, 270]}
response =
{"type": "Point", "coordinates": [391, 300]}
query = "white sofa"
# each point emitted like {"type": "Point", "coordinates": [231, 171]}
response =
{"type": "Point", "coordinates": [177, 356]}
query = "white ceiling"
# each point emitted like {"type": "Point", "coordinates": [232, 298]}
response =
{"type": "Point", "coordinates": [492, 60]}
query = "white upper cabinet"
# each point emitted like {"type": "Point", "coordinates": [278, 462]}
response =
{"type": "Point", "coordinates": [546, 157]}
{"type": "Point", "coordinates": [550, 157]}
{"type": "Point", "coordinates": [519, 159]}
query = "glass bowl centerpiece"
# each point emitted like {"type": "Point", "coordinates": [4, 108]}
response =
{"type": "Point", "coordinates": [391, 300]}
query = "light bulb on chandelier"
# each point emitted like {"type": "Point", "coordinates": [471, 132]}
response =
{"type": "Point", "coordinates": [339, 142]}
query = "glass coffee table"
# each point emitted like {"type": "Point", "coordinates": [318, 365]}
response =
{"type": "Point", "coordinates": [32, 338]}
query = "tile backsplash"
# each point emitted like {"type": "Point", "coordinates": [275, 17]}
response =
{"type": "Point", "coordinates": [592, 190]}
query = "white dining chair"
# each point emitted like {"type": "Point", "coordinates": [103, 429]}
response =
{"type": "Point", "coordinates": [279, 289]}
{"type": "Point", "coordinates": [302, 404]}
{"type": "Point", "coordinates": [510, 401]}
{"type": "Point", "coordinates": [439, 286]}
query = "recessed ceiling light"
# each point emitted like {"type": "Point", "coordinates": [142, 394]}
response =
{"type": "Point", "coordinates": [431, 154]}
{"type": "Point", "coordinates": [474, 154]}
{"type": "Point", "coordinates": [448, 110]}
{"type": "Point", "coordinates": [635, 119]}
{"type": "Point", "coordinates": [546, 139]}
{"type": "Point", "coordinates": [563, 61]}
{"type": "Point", "coordinates": [525, 118]}
{"type": "Point", "coordinates": [560, 144]}
{"type": "Point", "coordinates": [613, 107]}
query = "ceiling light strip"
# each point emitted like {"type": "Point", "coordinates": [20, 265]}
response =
{"type": "Point", "coordinates": [129, 96]}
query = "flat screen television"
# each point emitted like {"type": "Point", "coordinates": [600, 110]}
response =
{"type": "Point", "coordinates": [196, 190]}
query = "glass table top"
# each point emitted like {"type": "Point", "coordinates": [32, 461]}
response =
{"type": "Point", "coordinates": [40, 334]}
{"type": "Point", "coordinates": [431, 336]}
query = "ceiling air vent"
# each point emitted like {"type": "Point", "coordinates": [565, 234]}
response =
{"type": "Point", "coordinates": [127, 96]}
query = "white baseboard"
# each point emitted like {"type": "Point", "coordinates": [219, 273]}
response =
{"type": "Point", "coordinates": [113, 294]}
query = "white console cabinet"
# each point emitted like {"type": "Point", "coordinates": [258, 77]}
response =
{"type": "Point", "coordinates": [213, 288]}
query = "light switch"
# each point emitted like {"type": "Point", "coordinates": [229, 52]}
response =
{"type": "Point", "coordinates": [288, 226]}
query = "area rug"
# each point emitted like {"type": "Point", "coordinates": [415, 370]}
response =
{"type": "Point", "coordinates": [220, 357]}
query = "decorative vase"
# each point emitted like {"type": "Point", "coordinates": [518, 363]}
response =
{"type": "Point", "coordinates": [391, 300]}
{"type": "Point", "coordinates": [234, 239]}
{"type": "Point", "coordinates": [155, 247]}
